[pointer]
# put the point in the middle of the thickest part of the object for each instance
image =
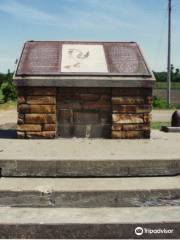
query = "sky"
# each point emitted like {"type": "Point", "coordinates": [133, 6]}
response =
{"type": "Point", "coordinates": [142, 21]}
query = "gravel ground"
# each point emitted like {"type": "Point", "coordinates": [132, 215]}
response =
{"type": "Point", "coordinates": [162, 115]}
{"type": "Point", "coordinates": [10, 116]}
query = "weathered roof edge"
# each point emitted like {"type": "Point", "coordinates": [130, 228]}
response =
{"type": "Point", "coordinates": [84, 81]}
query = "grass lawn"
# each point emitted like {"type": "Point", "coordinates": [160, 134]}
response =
{"type": "Point", "coordinates": [157, 125]}
{"type": "Point", "coordinates": [1, 95]}
{"type": "Point", "coordinates": [163, 85]}
{"type": "Point", "coordinates": [8, 106]}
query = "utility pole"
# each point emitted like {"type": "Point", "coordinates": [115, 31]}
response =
{"type": "Point", "coordinates": [169, 54]}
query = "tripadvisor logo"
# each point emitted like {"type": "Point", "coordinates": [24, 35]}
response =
{"type": "Point", "coordinates": [140, 231]}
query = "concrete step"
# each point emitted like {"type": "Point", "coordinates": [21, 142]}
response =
{"type": "Point", "coordinates": [89, 223]}
{"type": "Point", "coordinates": [122, 167]}
{"type": "Point", "coordinates": [90, 192]}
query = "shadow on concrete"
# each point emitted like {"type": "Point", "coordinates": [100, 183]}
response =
{"type": "Point", "coordinates": [8, 131]}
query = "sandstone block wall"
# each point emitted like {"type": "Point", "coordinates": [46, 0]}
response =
{"type": "Point", "coordinates": [131, 109]}
{"type": "Point", "coordinates": [122, 113]}
{"type": "Point", "coordinates": [36, 112]}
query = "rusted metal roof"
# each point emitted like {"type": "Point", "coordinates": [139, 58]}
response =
{"type": "Point", "coordinates": [45, 58]}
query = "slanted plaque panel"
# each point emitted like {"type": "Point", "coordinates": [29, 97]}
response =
{"type": "Point", "coordinates": [40, 58]}
{"type": "Point", "coordinates": [81, 58]}
{"type": "Point", "coordinates": [125, 59]}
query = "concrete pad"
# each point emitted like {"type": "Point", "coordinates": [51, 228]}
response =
{"type": "Point", "coordinates": [160, 146]}
{"type": "Point", "coordinates": [83, 223]}
{"type": "Point", "coordinates": [89, 184]}
{"type": "Point", "coordinates": [90, 192]}
{"type": "Point", "coordinates": [89, 215]}
{"type": "Point", "coordinates": [84, 157]}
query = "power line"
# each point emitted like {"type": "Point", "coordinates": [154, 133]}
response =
{"type": "Point", "coordinates": [161, 37]}
{"type": "Point", "coordinates": [169, 54]}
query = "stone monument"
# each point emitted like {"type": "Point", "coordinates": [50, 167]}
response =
{"type": "Point", "coordinates": [83, 89]}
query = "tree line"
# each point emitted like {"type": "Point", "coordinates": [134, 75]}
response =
{"type": "Point", "coordinates": [8, 90]}
{"type": "Point", "coordinates": [162, 76]}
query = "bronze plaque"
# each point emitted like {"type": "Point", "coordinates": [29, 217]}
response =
{"type": "Point", "coordinates": [125, 59]}
{"type": "Point", "coordinates": [82, 58]}
{"type": "Point", "coordinates": [40, 58]}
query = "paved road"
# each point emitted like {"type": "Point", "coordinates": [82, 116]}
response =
{"type": "Point", "coordinates": [10, 116]}
{"type": "Point", "coordinates": [162, 115]}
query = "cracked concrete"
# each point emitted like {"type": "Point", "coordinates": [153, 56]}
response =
{"type": "Point", "coordinates": [90, 192]}
{"type": "Point", "coordinates": [96, 157]}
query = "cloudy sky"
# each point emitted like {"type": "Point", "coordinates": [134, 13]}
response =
{"type": "Point", "coordinates": [143, 21]}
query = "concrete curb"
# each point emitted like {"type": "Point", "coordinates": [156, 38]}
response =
{"type": "Point", "coordinates": [89, 168]}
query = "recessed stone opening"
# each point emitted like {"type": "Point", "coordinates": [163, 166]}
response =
{"type": "Point", "coordinates": [57, 97]}
{"type": "Point", "coordinates": [84, 112]}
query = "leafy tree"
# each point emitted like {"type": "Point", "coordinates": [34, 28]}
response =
{"type": "Point", "coordinates": [7, 87]}
{"type": "Point", "coordinates": [172, 69]}
{"type": "Point", "coordinates": [176, 77]}
{"type": "Point", "coordinates": [159, 103]}
{"type": "Point", "coordinates": [2, 77]}
{"type": "Point", "coordinates": [177, 71]}
{"type": "Point", "coordinates": [160, 76]}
